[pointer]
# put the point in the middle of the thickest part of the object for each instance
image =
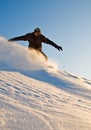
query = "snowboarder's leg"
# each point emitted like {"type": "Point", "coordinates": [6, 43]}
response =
{"type": "Point", "coordinates": [46, 58]}
{"type": "Point", "coordinates": [37, 51]}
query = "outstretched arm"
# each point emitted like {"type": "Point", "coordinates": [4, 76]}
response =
{"type": "Point", "coordinates": [46, 40]}
{"type": "Point", "coordinates": [55, 45]}
{"type": "Point", "coordinates": [23, 38]}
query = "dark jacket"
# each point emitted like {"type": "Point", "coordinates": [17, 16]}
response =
{"type": "Point", "coordinates": [34, 41]}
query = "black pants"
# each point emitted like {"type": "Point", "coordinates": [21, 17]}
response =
{"type": "Point", "coordinates": [44, 55]}
{"type": "Point", "coordinates": [46, 58]}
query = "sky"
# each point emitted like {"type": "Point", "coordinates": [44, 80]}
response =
{"type": "Point", "coordinates": [66, 22]}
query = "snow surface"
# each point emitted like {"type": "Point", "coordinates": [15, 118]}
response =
{"type": "Point", "coordinates": [36, 95]}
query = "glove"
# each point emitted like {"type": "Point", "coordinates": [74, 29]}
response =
{"type": "Point", "coordinates": [59, 48]}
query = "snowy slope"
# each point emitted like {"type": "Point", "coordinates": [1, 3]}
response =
{"type": "Point", "coordinates": [36, 96]}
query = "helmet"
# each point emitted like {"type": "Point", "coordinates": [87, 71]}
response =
{"type": "Point", "coordinates": [37, 30]}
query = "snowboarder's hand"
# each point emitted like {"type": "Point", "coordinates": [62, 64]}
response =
{"type": "Point", "coordinates": [59, 48]}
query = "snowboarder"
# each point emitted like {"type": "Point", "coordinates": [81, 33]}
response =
{"type": "Point", "coordinates": [35, 40]}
